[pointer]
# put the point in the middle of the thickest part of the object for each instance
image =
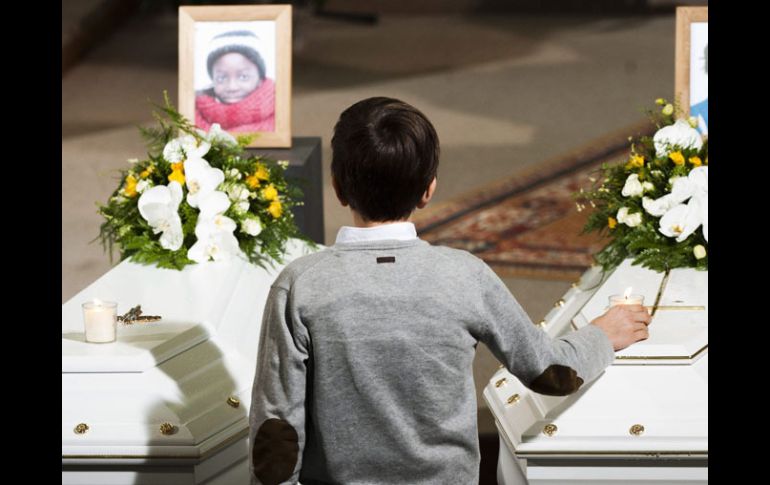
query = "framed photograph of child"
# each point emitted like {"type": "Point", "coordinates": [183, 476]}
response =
{"type": "Point", "coordinates": [235, 70]}
{"type": "Point", "coordinates": [692, 75]}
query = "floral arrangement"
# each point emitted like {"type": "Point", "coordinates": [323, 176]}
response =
{"type": "Point", "coordinates": [198, 196]}
{"type": "Point", "coordinates": [654, 205]}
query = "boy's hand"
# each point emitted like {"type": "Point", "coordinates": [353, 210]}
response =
{"type": "Point", "coordinates": [624, 325]}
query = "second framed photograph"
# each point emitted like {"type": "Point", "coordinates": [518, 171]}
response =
{"type": "Point", "coordinates": [692, 63]}
{"type": "Point", "coordinates": [235, 70]}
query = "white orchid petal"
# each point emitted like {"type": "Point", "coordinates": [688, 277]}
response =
{"type": "Point", "coordinates": [681, 221]}
{"type": "Point", "coordinates": [699, 178]}
{"type": "Point", "coordinates": [224, 224]}
{"type": "Point", "coordinates": [680, 135]}
{"type": "Point", "coordinates": [155, 196]}
{"type": "Point", "coordinates": [175, 191]}
{"type": "Point", "coordinates": [682, 189]}
{"type": "Point", "coordinates": [204, 228]}
{"type": "Point", "coordinates": [659, 206]}
{"type": "Point", "coordinates": [173, 235]}
{"type": "Point", "coordinates": [227, 246]}
{"type": "Point", "coordinates": [213, 203]}
{"type": "Point", "coordinates": [198, 252]}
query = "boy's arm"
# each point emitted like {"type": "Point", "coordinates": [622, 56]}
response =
{"type": "Point", "coordinates": [277, 415]}
{"type": "Point", "coordinates": [555, 367]}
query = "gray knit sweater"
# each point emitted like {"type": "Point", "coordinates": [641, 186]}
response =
{"type": "Point", "coordinates": [364, 365]}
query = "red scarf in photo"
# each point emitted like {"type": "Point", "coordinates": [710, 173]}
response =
{"type": "Point", "coordinates": [255, 112]}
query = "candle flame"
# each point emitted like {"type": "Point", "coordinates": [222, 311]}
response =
{"type": "Point", "coordinates": [627, 292]}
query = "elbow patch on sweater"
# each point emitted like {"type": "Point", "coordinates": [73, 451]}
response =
{"type": "Point", "coordinates": [557, 380]}
{"type": "Point", "coordinates": [275, 450]}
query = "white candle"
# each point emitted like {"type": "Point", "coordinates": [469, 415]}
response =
{"type": "Point", "coordinates": [626, 298]}
{"type": "Point", "coordinates": [100, 318]}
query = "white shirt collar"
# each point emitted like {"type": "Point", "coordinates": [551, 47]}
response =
{"type": "Point", "coordinates": [401, 231]}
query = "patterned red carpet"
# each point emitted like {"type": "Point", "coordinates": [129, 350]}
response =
{"type": "Point", "coordinates": [527, 225]}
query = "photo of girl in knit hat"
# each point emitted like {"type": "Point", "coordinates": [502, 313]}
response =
{"type": "Point", "coordinates": [234, 81]}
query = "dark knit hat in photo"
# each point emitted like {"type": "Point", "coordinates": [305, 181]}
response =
{"type": "Point", "coordinates": [241, 41]}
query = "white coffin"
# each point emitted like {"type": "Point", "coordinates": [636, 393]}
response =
{"type": "Point", "coordinates": [181, 370]}
{"type": "Point", "coordinates": [660, 384]}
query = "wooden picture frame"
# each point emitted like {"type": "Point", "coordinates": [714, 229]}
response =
{"type": "Point", "coordinates": [235, 70]}
{"type": "Point", "coordinates": [690, 83]}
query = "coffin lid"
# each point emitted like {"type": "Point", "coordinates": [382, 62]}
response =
{"type": "Point", "coordinates": [667, 397]}
{"type": "Point", "coordinates": [194, 369]}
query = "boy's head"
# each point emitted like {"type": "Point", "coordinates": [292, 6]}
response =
{"type": "Point", "coordinates": [235, 66]}
{"type": "Point", "coordinates": [384, 158]}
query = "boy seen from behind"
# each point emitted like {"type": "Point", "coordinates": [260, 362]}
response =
{"type": "Point", "coordinates": [364, 369]}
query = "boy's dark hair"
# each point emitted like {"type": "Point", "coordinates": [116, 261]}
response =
{"type": "Point", "coordinates": [384, 157]}
{"type": "Point", "coordinates": [243, 43]}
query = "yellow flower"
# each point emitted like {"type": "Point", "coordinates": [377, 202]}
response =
{"type": "Point", "coordinates": [275, 209]}
{"type": "Point", "coordinates": [176, 176]}
{"type": "Point", "coordinates": [611, 222]}
{"type": "Point", "coordinates": [252, 181]}
{"type": "Point", "coordinates": [269, 193]}
{"type": "Point", "coordinates": [660, 101]}
{"type": "Point", "coordinates": [677, 158]}
{"type": "Point", "coordinates": [635, 161]}
{"type": "Point", "coordinates": [668, 109]}
{"type": "Point", "coordinates": [147, 171]}
{"type": "Point", "coordinates": [262, 173]}
{"type": "Point", "coordinates": [130, 189]}
{"type": "Point", "coordinates": [696, 161]}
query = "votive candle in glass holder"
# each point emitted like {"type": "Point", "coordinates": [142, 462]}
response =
{"type": "Point", "coordinates": [101, 321]}
{"type": "Point", "coordinates": [626, 300]}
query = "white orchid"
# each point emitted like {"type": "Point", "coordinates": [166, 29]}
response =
{"type": "Point", "coordinates": [214, 203]}
{"type": "Point", "coordinates": [159, 206]}
{"type": "Point", "coordinates": [679, 220]}
{"type": "Point", "coordinates": [185, 147]}
{"type": "Point", "coordinates": [681, 190]}
{"type": "Point", "coordinates": [217, 136]}
{"type": "Point", "coordinates": [251, 226]}
{"type": "Point", "coordinates": [631, 220]}
{"type": "Point", "coordinates": [201, 179]}
{"type": "Point", "coordinates": [679, 135]}
{"type": "Point", "coordinates": [632, 187]}
{"type": "Point", "coordinates": [214, 230]}
{"type": "Point", "coordinates": [218, 246]}
{"type": "Point", "coordinates": [215, 239]}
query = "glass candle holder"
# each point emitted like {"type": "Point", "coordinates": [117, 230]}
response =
{"type": "Point", "coordinates": [101, 321]}
{"type": "Point", "coordinates": [626, 300]}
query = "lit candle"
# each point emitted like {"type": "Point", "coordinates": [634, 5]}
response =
{"type": "Point", "coordinates": [100, 318]}
{"type": "Point", "coordinates": [626, 298]}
